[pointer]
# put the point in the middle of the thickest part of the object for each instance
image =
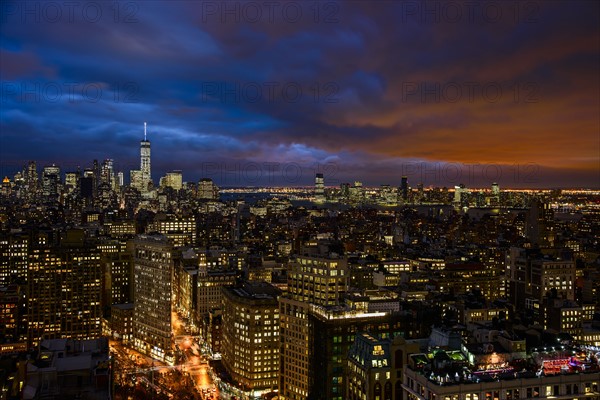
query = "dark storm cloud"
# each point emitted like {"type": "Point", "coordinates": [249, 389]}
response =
{"type": "Point", "coordinates": [370, 86]}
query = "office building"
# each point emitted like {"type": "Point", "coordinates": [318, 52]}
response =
{"type": "Point", "coordinates": [153, 274]}
{"type": "Point", "coordinates": [312, 280]}
{"type": "Point", "coordinates": [404, 189]}
{"type": "Point", "coordinates": [250, 350]}
{"type": "Point", "coordinates": [142, 179]}
{"type": "Point", "coordinates": [172, 179]}
{"type": "Point", "coordinates": [539, 228]}
{"type": "Point", "coordinates": [209, 295]}
{"type": "Point", "coordinates": [319, 188]}
{"type": "Point", "coordinates": [64, 290]}
{"type": "Point", "coordinates": [51, 182]}
{"type": "Point", "coordinates": [207, 190]}
{"type": "Point", "coordinates": [375, 367]}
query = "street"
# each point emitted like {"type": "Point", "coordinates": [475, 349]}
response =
{"type": "Point", "coordinates": [194, 363]}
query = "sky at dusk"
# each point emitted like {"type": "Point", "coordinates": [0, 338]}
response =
{"type": "Point", "coordinates": [270, 92]}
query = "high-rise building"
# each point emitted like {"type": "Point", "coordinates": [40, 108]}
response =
{"type": "Point", "coordinates": [145, 157]}
{"type": "Point", "coordinates": [63, 290]}
{"type": "Point", "coordinates": [209, 295]}
{"type": "Point", "coordinates": [117, 270]}
{"type": "Point", "coordinates": [14, 247]}
{"type": "Point", "coordinates": [13, 316]}
{"type": "Point", "coordinates": [107, 174]}
{"type": "Point", "coordinates": [356, 193]}
{"type": "Point", "coordinates": [460, 196]}
{"type": "Point", "coordinates": [172, 179]}
{"type": "Point", "coordinates": [51, 182]}
{"type": "Point", "coordinates": [375, 367]}
{"type": "Point", "coordinates": [319, 188]}
{"type": "Point", "coordinates": [180, 230]}
{"type": "Point", "coordinates": [207, 190]}
{"type": "Point", "coordinates": [72, 182]}
{"type": "Point", "coordinates": [142, 179]}
{"type": "Point", "coordinates": [318, 280]}
{"type": "Point", "coordinates": [494, 199]}
{"type": "Point", "coordinates": [539, 228]}
{"type": "Point", "coordinates": [312, 280]}
{"type": "Point", "coordinates": [495, 189]}
{"type": "Point", "coordinates": [531, 275]}
{"type": "Point", "coordinates": [250, 347]}
{"type": "Point", "coordinates": [31, 179]}
{"type": "Point", "coordinates": [136, 180]}
{"type": "Point", "coordinates": [153, 275]}
{"type": "Point", "coordinates": [404, 189]}
{"type": "Point", "coordinates": [6, 187]}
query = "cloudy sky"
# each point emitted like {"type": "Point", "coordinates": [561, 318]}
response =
{"type": "Point", "coordinates": [255, 93]}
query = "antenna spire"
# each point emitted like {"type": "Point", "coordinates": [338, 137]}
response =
{"type": "Point", "coordinates": [144, 131]}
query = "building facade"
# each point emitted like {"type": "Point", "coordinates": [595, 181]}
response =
{"type": "Point", "coordinates": [153, 275]}
{"type": "Point", "coordinates": [250, 350]}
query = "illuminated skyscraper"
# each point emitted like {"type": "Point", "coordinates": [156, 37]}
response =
{"type": "Point", "coordinates": [319, 188]}
{"type": "Point", "coordinates": [311, 281]}
{"type": "Point", "coordinates": [153, 273]}
{"type": "Point", "coordinates": [461, 199]}
{"type": "Point", "coordinates": [31, 179]}
{"type": "Point", "coordinates": [51, 182]}
{"type": "Point", "coordinates": [145, 157]}
{"type": "Point", "coordinates": [495, 189]}
{"type": "Point", "coordinates": [207, 189]}
{"type": "Point", "coordinates": [13, 255]}
{"type": "Point", "coordinates": [494, 198]}
{"type": "Point", "coordinates": [172, 179]}
{"type": "Point", "coordinates": [107, 174]}
{"type": "Point", "coordinates": [142, 178]}
{"type": "Point", "coordinates": [72, 181]}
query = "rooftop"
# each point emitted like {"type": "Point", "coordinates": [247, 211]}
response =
{"type": "Point", "coordinates": [453, 368]}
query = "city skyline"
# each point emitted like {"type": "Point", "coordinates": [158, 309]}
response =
{"type": "Point", "coordinates": [294, 175]}
{"type": "Point", "coordinates": [299, 200]}
{"type": "Point", "coordinates": [445, 94]}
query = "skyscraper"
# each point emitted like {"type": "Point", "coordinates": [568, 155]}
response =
{"type": "Point", "coordinates": [539, 227]}
{"type": "Point", "coordinates": [153, 273]}
{"type": "Point", "coordinates": [51, 182]}
{"type": "Point", "coordinates": [311, 281]}
{"type": "Point", "coordinates": [319, 188]}
{"type": "Point", "coordinates": [207, 189]}
{"type": "Point", "coordinates": [145, 158]}
{"type": "Point", "coordinates": [141, 179]}
{"type": "Point", "coordinates": [172, 179]}
{"type": "Point", "coordinates": [31, 180]}
{"type": "Point", "coordinates": [404, 189]}
{"type": "Point", "coordinates": [107, 174]}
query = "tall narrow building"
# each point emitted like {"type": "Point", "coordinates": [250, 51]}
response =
{"type": "Point", "coordinates": [539, 228]}
{"type": "Point", "coordinates": [312, 280]}
{"type": "Point", "coordinates": [153, 266]}
{"type": "Point", "coordinates": [319, 188]}
{"type": "Point", "coordinates": [141, 179]}
{"type": "Point", "coordinates": [145, 158]}
{"type": "Point", "coordinates": [404, 189]}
